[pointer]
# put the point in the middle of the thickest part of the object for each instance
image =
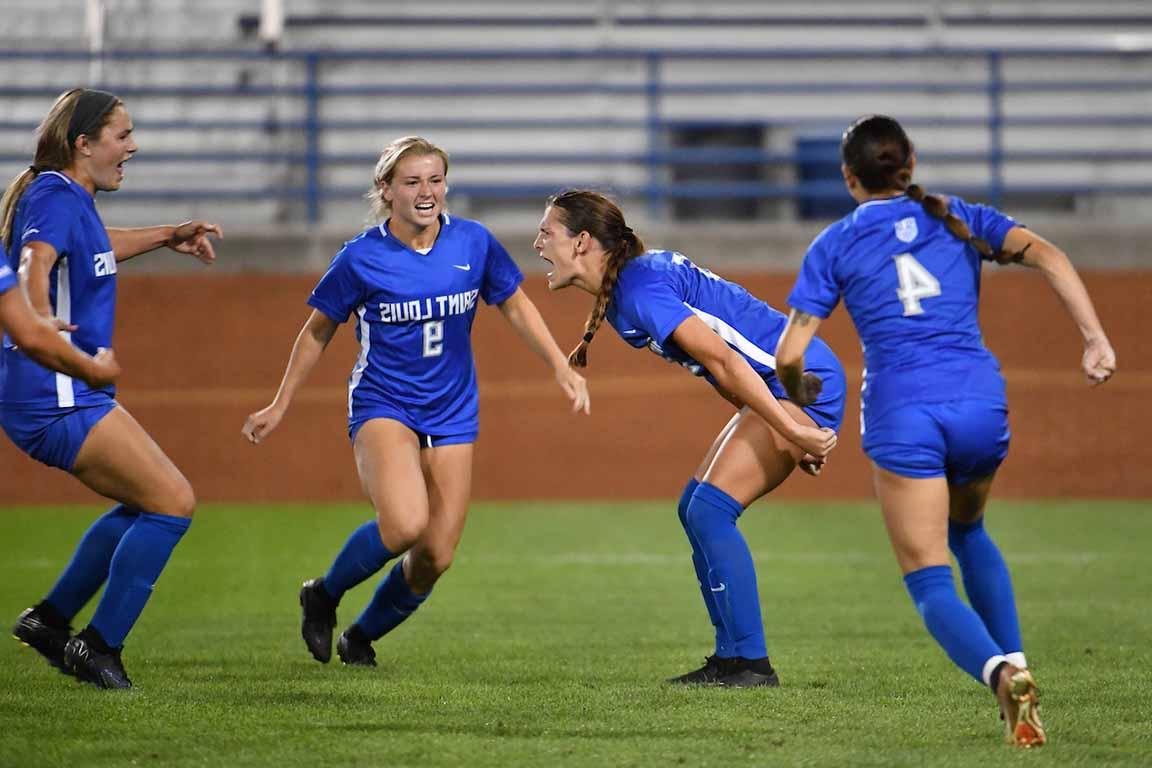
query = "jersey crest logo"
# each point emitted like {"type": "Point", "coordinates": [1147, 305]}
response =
{"type": "Point", "coordinates": [906, 230]}
{"type": "Point", "coordinates": [104, 263]}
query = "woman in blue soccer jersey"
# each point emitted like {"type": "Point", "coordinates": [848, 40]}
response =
{"type": "Point", "coordinates": [934, 414]}
{"type": "Point", "coordinates": [715, 329]}
{"type": "Point", "coordinates": [412, 283]}
{"type": "Point", "coordinates": [67, 259]}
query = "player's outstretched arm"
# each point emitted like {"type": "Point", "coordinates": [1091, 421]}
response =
{"type": "Point", "coordinates": [733, 374]}
{"type": "Point", "coordinates": [525, 318]}
{"type": "Point", "coordinates": [1099, 359]}
{"type": "Point", "coordinates": [310, 344]}
{"type": "Point", "coordinates": [191, 237]}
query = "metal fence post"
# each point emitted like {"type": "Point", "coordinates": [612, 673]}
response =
{"type": "Point", "coordinates": [655, 137]}
{"type": "Point", "coordinates": [995, 129]}
{"type": "Point", "coordinates": [312, 136]}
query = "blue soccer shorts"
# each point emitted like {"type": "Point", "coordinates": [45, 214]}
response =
{"type": "Point", "coordinates": [963, 440]}
{"type": "Point", "coordinates": [53, 436]}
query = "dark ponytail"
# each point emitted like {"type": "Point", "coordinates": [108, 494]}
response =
{"type": "Point", "coordinates": [879, 154]}
{"type": "Point", "coordinates": [936, 206]}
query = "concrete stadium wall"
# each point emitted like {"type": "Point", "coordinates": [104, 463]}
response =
{"type": "Point", "coordinates": [201, 352]}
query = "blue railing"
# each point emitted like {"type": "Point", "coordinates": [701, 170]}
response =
{"type": "Point", "coordinates": [652, 91]}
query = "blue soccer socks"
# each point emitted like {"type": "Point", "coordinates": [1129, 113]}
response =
{"type": "Point", "coordinates": [362, 556]}
{"type": "Point", "coordinates": [956, 627]}
{"type": "Point", "coordinates": [700, 564]}
{"type": "Point", "coordinates": [987, 583]}
{"type": "Point", "coordinates": [136, 565]}
{"type": "Point", "coordinates": [731, 574]}
{"type": "Point", "coordinates": [393, 602]}
{"type": "Point", "coordinates": [88, 569]}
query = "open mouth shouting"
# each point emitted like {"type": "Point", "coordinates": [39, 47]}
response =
{"type": "Point", "coordinates": [120, 168]}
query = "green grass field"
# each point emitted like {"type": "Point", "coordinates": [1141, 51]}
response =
{"type": "Point", "coordinates": [547, 642]}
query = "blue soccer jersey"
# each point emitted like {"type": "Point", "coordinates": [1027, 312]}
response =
{"type": "Point", "coordinates": [658, 290]}
{"type": "Point", "coordinates": [414, 314]}
{"type": "Point", "coordinates": [8, 279]}
{"type": "Point", "coordinates": [82, 288]}
{"type": "Point", "coordinates": [911, 288]}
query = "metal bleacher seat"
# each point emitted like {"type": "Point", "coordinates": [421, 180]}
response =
{"type": "Point", "coordinates": [1041, 106]}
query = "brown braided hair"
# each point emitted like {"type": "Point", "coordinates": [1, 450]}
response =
{"type": "Point", "coordinates": [582, 210]}
{"type": "Point", "coordinates": [878, 152]}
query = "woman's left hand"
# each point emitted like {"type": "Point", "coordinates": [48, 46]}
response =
{"type": "Point", "coordinates": [576, 387]}
{"type": "Point", "coordinates": [191, 237]}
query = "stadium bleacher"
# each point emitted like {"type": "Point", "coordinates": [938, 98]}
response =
{"type": "Point", "coordinates": [723, 107]}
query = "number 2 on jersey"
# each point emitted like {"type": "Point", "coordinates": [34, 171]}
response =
{"type": "Point", "coordinates": [433, 338]}
{"type": "Point", "coordinates": [916, 283]}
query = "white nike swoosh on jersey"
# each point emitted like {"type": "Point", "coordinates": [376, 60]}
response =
{"type": "Point", "coordinates": [464, 267]}
{"type": "Point", "coordinates": [720, 588]}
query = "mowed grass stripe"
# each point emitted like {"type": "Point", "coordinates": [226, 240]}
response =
{"type": "Point", "coordinates": [546, 642]}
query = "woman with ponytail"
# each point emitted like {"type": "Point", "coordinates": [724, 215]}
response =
{"type": "Point", "coordinates": [717, 330]}
{"type": "Point", "coordinates": [934, 412]}
{"type": "Point", "coordinates": [67, 261]}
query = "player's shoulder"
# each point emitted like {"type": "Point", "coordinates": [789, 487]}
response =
{"type": "Point", "coordinates": [834, 233]}
{"type": "Point", "coordinates": [649, 270]}
{"type": "Point", "coordinates": [51, 185]}
{"type": "Point", "coordinates": [368, 241]}
{"type": "Point", "coordinates": [967, 210]}
{"type": "Point", "coordinates": [452, 223]}
{"type": "Point", "coordinates": [654, 261]}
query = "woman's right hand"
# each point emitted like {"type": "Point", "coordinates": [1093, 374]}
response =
{"type": "Point", "coordinates": [1099, 361]}
{"type": "Point", "coordinates": [818, 441]}
{"type": "Point", "coordinates": [260, 424]}
{"type": "Point", "coordinates": [104, 369]}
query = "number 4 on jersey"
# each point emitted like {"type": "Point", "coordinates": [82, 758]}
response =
{"type": "Point", "coordinates": [916, 283]}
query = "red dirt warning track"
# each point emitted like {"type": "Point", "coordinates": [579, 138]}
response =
{"type": "Point", "coordinates": [201, 352]}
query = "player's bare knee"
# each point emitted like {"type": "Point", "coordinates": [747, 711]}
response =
{"type": "Point", "coordinates": [400, 533]}
{"type": "Point", "coordinates": [179, 502]}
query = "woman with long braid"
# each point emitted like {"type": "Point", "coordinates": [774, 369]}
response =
{"type": "Point", "coordinates": [935, 417]}
{"type": "Point", "coordinates": [717, 330]}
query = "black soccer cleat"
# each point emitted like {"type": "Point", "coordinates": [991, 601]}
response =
{"type": "Point", "coordinates": [91, 661]}
{"type": "Point", "coordinates": [318, 619]}
{"type": "Point", "coordinates": [355, 649]}
{"type": "Point", "coordinates": [45, 634]}
{"type": "Point", "coordinates": [714, 668]}
{"type": "Point", "coordinates": [749, 673]}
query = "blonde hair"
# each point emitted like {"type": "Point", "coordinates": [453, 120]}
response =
{"type": "Point", "coordinates": [53, 153]}
{"type": "Point", "coordinates": [386, 169]}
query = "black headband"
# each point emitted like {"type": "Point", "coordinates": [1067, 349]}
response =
{"type": "Point", "coordinates": [90, 110]}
